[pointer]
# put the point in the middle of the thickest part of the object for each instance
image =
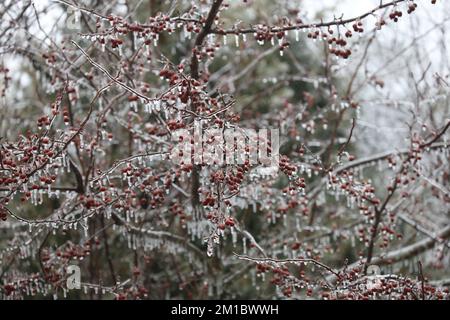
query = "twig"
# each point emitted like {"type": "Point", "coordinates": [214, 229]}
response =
{"type": "Point", "coordinates": [342, 148]}
{"type": "Point", "coordinates": [294, 261]}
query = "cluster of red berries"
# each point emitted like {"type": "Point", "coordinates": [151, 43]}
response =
{"type": "Point", "coordinates": [209, 200]}
{"type": "Point", "coordinates": [178, 210]}
{"type": "Point", "coordinates": [8, 181]}
{"type": "Point", "coordinates": [22, 286]}
{"type": "Point", "coordinates": [300, 183]}
{"type": "Point", "coordinates": [263, 33]}
{"type": "Point", "coordinates": [152, 129]}
{"type": "Point", "coordinates": [90, 202]}
{"type": "Point", "coordinates": [262, 267]}
{"type": "Point", "coordinates": [136, 292]}
{"type": "Point", "coordinates": [281, 279]}
{"type": "Point", "coordinates": [291, 204]}
{"type": "Point", "coordinates": [190, 27]}
{"type": "Point", "coordinates": [133, 98]}
{"type": "Point", "coordinates": [175, 124]}
{"type": "Point", "coordinates": [51, 274]}
{"type": "Point", "coordinates": [8, 289]}
{"type": "Point", "coordinates": [341, 52]}
{"type": "Point", "coordinates": [217, 176]}
{"type": "Point", "coordinates": [46, 180]}
{"type": "Point", "coordinates": [221, 221]}
{"type": "Point", "coordinates": [412, 7]}
{"type": "Point", "coordinates": [357, 27]}
{"type": "Point", "coordinates": [286, 167]}
{"type": "Point", "coordinates": [314, 34]}
{"type": "Point", "coordinates": [229, 222]}
{"type": "Point", "coordinates": [149, 31]}
{"type": "Point", "coordinates": [398, 288]}
{"type": "Point", "coordinates": [186, 168]}
{"type": "Point", "coordinates": [66, 116]}
{"type": "Point", "coordinates": [207, 51]}
{"type": "Point", "coordinates": [115, 43]}
{"type": "Point", "coordinates": [153, 198]}
{"type": "Point", "coordinates": [391, 162]}
{"type": "Point", "coordinates": [387, 233]}
{"type": "Point", "coordinates": [169, 75]}
{"type": "Point", "coordinates": [353, 188]}
{"type": "Point", "coordinates": [77, 251]}
{"type": "Point", "coordinates": [284, 45]}
{"type": "Point", "coordinates": [296, 245]}
{"type": "Point", "coordinates": [338, 41]}
{"type": "Point", "coordinates": [43, 121]}
{"type": "Point", "coordinates": [281, 271]}
{"type": "Point", "coordinates": [395, 15]}
{"type": "Point", "coordinates": [234, 179]}
{"type": "Point", "coordinates": [72, 93]}
{"type": "Point", "coordinates": [8, 162]}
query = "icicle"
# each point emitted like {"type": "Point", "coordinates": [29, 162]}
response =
{"type": "Point", "coordinates": [297, 223]}
{"type": "Point", "coordinates": [134, 106]}
{"type": "Point", "coordinates": [233, 236]}
{"type": "Point", "coordinates": [210, 249]}
{"type": "Point", "coordinates": [253, 277]}
{"type": "Point", "coordinates": [77, 16]}
{"type": "Point", "coordinates": [210, 289]}
{"type": "Point", "coordinates": [157, 105]}
{"type": "Point", "coordinates": [41, 198]}
{"type": "Point", "coordinates": [186, 33]}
